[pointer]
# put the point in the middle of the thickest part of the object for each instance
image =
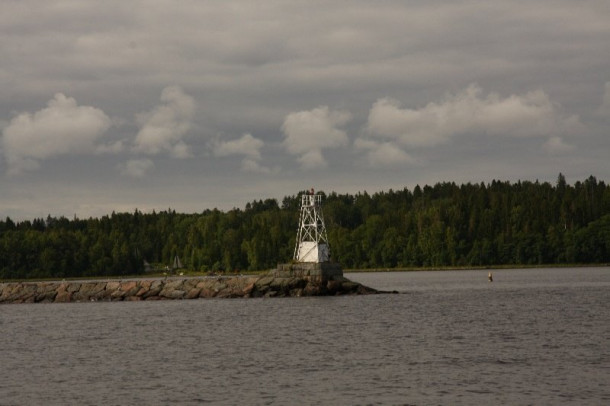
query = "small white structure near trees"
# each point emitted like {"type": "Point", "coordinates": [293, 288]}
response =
{"type": "Point", "coordinates": [312, 241]}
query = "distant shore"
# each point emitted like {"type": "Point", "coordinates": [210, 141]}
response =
{"type": "Point", "coordinates": [475, 268]}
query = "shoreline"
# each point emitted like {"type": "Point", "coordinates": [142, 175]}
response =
{"type": "Point", "coordinates": [203, 275]}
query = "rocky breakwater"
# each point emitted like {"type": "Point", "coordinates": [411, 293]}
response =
{"type": "Point", "coordinates": [276, 283]}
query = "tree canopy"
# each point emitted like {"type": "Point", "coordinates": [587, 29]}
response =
{"type": "Point", "coordinates": [499, 223]}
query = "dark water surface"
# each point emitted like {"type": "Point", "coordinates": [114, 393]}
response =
{"type": "Point", "coordinates": [535, 336]}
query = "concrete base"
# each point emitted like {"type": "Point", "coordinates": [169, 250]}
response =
{"type": "Point", "coordinates": [309, 270]}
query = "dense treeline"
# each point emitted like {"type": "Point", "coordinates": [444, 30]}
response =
{"type": "Point", "coordinates": [441, 225]}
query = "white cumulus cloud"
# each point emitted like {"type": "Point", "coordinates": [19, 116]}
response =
{"type": "Point", "coordinates": [63, 127]}
{"type": "Point", "coordinates": [604, 109]}
{"type": "Point", "coordinates": [136, 168]}
{"type": "Point", "coordinates": [163, 128]}
{"type": "Point", "coordinates": [307, 133]}
{"type": "Point", "coordinates": [251, 165]}
{"type": "Point", "coordinates": [312, 159]}
{"type": "Point", "coordinates": [556, 145]}
{"type": "Point", "coordinates": [381, 154]}
{"type": "Point", "coordinates": [247, 146]}
{"type": "Point", "coordinates": [529, 115]}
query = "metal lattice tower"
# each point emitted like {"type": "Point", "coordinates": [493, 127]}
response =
{"type": "Point", "coordinates": [312, 241]}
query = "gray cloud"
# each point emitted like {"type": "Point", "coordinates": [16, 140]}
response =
{"type": "Point", "coordinates": [401, 69]}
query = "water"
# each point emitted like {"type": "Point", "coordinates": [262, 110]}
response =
{"type": "Point", "coordinates": [531, 337]}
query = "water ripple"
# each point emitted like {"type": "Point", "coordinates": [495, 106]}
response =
{"type": "Point", "coordinates": [453, 339]}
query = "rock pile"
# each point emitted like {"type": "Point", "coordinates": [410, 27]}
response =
{"type": "Point", "coordinates": [177, 288]}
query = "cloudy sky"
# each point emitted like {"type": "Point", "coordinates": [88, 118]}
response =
{"type": "Point", "coordinates": [117, 105]}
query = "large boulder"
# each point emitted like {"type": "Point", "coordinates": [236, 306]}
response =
{"type": "Point", "coordinates": [46, 292]}
{"type": "Point", "coordinates": [153, 290]}
{"type": "Point", "coordinates": [171, 293]}
{"type": "Point", "coordinates": [89, 291]}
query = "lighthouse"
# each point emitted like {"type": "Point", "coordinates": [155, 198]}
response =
{"type": "Point", "coordinates": [312, 241]}
{"type": "Point", "coordinates": [311, 272]}
{"type": "Point", "coordinates": [311, 259]}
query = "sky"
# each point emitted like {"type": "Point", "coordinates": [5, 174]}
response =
{"type": "Point", "coordinates": [193, 105]}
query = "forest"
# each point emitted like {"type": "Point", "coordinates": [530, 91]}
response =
{"type": "Point", "coordinates": [445, 225]}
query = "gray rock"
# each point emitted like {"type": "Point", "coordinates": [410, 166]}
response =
{"type": "Point", "coordinates": [63, 296]}
{"type": "Point", "coordinates": [155, 289]}
{"type": "Point", "coordinates": [193, 293]}
{"type": "Point", "coordinates": [172, 293]}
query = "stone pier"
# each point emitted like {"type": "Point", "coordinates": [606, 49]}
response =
{"type": "Point", "coordinates": [288, 280]}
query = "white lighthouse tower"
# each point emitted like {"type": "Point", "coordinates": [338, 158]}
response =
{"type": "Point", "coordinates": [312, 241]}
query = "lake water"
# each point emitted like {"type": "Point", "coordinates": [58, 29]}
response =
{"type": "Point", "coordinates": [535, 336]}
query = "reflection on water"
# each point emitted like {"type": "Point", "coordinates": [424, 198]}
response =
{"type": "Point", "coordinates": [530, 337]}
